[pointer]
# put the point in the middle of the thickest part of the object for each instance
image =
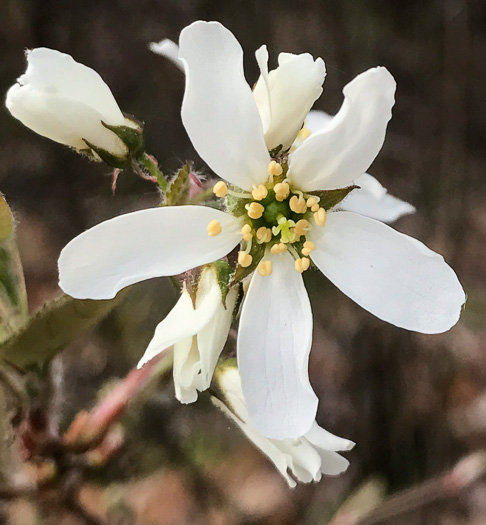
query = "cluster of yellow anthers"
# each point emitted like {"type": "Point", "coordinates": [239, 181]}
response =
{"type": "Point", "coordinates": [277, 215]}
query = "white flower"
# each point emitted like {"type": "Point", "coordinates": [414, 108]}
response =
{"type": "Point", "coordinates": [391, 275]}
{"type": "Point", "coordinates": [66, 101]}
{"type": "Point", "coordinates": [305, 458]}
{"type": "Point", "coordinates": [371, 199]}
{"type": "Point", "coordinates": [197, 335]}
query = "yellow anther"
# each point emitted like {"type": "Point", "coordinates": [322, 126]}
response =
{"type": "Point", "coordinates": [320, 217]}
{"type": "Point", "coordinates": [259, 193]}
{"type": "Point", "coordinates": [304, 133]}
{"type": "Point", "coordinates": [265, 268]}
{"type": "Point", "coordinates": [301, 227]}
{"type": "Point", "coordinates": [263, 235]}
{"type": "Point", "coordinates": [308, 247]}
{"type": "Point", "coordinates": [220, 189]}
{"type": "Point", "coordinates": [255, 210]}
{"type": "Point", "coordinates": [214, 228]}
{"type": "Point", "coordinates": [246, 232]}
{"type": "Point", "coordinates": [282, 191]}
{"type": "Point", "coordinates": [274, 168]}
{"type": "Point", "coordinates": [301, 265]}
{"type": "Point", "coordinates": [244, 259]}
{"type": "Point", "coordinates": [297, 205]}
{"type": "Point", "coordinates": [278, 248]}
{"type": "Point", "coordinates": [313, 203]}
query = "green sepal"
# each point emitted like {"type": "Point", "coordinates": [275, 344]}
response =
{"type": "Point", "coordinates": [178, 192]}
{"type": "Point", "coordinates": [191, 283]}
{"type": "Point", "coordinates": [331, 198]}
{"type": "Point", "coordinates": [257, 252]}
{"type": "Point", "coordinates": [275, 151]}
{"type": "Point", "coordinates": [109, 158]}
{"type": "Point", "coordinates": [52, 328]}
{"type": "Point", "coordinates": [224, 272]}
{"type": "Point", "coordinates": [6, 220]}
{"type": "Point", "coordinates": [131, 137]}
{"type": "Point", "coordinates": [236, 205]}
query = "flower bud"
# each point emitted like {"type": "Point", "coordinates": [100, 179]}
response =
{"type": "Point", "coordinates": [70, 103]}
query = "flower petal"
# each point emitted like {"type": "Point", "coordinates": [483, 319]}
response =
{"type": "Point", "coordinates": [141, 245]}
{"type": "Point", "coordinates": [392, 275]}
{"type": "Point", "coordinates": [274, 341]}
{"type": "Point", "coordinates": [286, 95]}
{"type": "Point", "coordinates": [372, 200]}
{"type": "Point", "coordinates": [58, 74]}
{"type": "Point", "coordinates": [168, 49]}
{"type": "Point", "coordinates": [344, 150]}
{"type": "Point", "coordinates": [323, 439]}
{"type": "Point", "coordinates": [218, 111]}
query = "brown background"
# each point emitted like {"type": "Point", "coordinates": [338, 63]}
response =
{"type": "Point", "coordinates": [411, 402]}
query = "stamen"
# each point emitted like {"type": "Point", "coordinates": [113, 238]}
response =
{"type": "Point", "coordinates": [244, 259]}
{"type": "Point", "coordinates": [255, 210]}
{"type": "Point", "coordinates": [320, 217]}
{"type": "Point", "coordinates": [301, 265]}
{"type": "Point", "coordinates": [282, 191]}
{"type": "Point", "coordinates": [239, 195]}
{"type": "Point", "coordinates": [278, 248]}
{"type": "Point", "coordinates": [313, 203]}
{"type": "Point", "coordinates": [214, 228]}
{"type": "Point", "coordinates": [308, 247]}
{"type": "Point", "coordinates": [220, 189]}
{"type": "Point", "coordinates": [297, 204]}
{"type": "Point", "coordinates": [304, 133]}
{"type": "Point", "coordinates": [246, 232]}
{"type": "Point", "coordinates": [263, 234]}
{"type": "Point", "coordinates": [259, 193]}
{"type": "Point", "coordinates": [265, 268]}
{"type": "Point", "coordinates": [301, 227]}
{"type": "Point", "coordinates": [293, 251]}
{"type": "Point", "coordinates": [274, 168]}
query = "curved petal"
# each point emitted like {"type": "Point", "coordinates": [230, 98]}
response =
{"type": "Point", "coordinates": [286, 95]}
{"type": "Point", "coordinates": [168, 49]}
{"type": "Point", "coordinates": [58, 74]}
{"type": "Point", "coordinates": [218, 111]}
{"type": "Point", "coordinates": [212, 338]}
{"type": "Point", "coordinates": [323, 439]}
{"type": "Point", "coordinates": [183, 321]}
{"type": "Point", "coordinates": [274, 341]}
{"type": "Point", "coordinates": [344, 150]}
{"type": "Point", "coordinates": [317, 121]}
{"type": "Point", "coordinates": [61, 119]}
{"type": "Point", "coordinates": [141, 245]}
{"type": "Point", "coordinates": [392, 275]}
{"type": "Point", "coordinates": [186, 370]}
{"type": "Point", "coordinates": [372, 200]}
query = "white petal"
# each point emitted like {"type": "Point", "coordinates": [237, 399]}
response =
{"type": "Point", "coordinates": [185, 370]}
{"type": "Point", "coordinates": [393, 276]}
{"type": "Point", "coordinates": [344, 150]}
{"type": "Point", "coordinates": [323, 439]}
{"type": "Point", "coordinates": [141, 245]}
{"type": "Point", "coordinates": [372, 200]}
{"type": "Point", "coordinates": [291, 90]}
{"type": "Point", "coordinates": [61, 119]}
{"type": "Point", "coordinates": [332, 463]}
{"type": "Point", "coordinates": [184, 320]}
{"type": "Point", "coordinates": [317, 121]}
{"type": "Point", "coordinates": [218, 111]}
{"type": "Point", "coordinates": [212, 338]}
{"type": "Point", "coordinates": [58, 74]}
{"type": "Point", "coordinates": [168, 49]}
{"type": "Point", "coordinates": [274, 341]}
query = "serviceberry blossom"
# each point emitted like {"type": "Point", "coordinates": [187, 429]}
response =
{"type": "Point", "coordinates": [304, 459]}
{"type": "Point", "coordinates": [67, 102]}
{"type": "Point", "coordinates": [282, 209]}
{"type": "Point", "coordinates": [197, 333]}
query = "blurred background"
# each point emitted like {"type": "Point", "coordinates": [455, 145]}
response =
{"type": "Point", "coordinates": [414, 404]}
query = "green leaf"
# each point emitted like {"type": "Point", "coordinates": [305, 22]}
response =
{"type": "Point", "coordinates": [6, 220]}
{"type": "Point", "coordinates": [178, 192]}
{"type": "Point", "coordinates": [331, 198]}
{"type": "Point", "coordinates": [53, 327]}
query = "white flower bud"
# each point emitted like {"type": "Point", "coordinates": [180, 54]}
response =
{"type": "Point", "coordinates": [66, 101]}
